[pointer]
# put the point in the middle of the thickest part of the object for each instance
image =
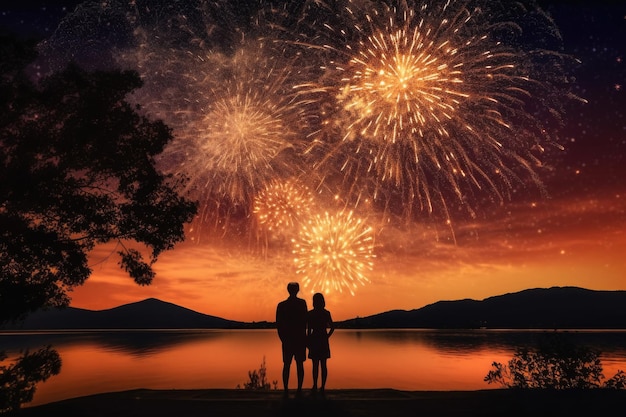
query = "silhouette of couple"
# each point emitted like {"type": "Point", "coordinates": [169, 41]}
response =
{"type": "Point", "coordinates": [298, 329]}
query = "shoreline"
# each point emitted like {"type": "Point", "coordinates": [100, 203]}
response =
{"type": "Point", "coordinates": [336, 402]}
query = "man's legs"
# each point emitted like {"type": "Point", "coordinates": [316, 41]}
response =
{"type": "Point", "coordinates": [300, 371]}
{"type": "Point", "coordinates": [286, 370]}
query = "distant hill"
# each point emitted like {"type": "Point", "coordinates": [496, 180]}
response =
{"type": "Point", "coordinates": [540, 308]}
{"type": "Point", "coordinates": [147, 314]}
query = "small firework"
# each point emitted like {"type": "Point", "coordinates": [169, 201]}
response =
{"type": "Point", "coordinates": [334, 252]}
{"type": "Point", "coordinates": [282, 206]}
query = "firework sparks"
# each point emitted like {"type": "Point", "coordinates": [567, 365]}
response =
{"type": "Point", "coordinates": [233, 150]}
{"type": "Point", "coordinates": [282, 206]}
{"type": "Point", "coordinates": [391, 108]}
{"type": "Point", "coordinates": [423, 102]}
{"type": "Point", "coordinates": [334, 252]}
{"type": "Point", "coordinates": [236, 122]}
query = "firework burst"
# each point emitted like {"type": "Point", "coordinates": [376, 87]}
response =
{"type": "Point", "coordinates": [236, 121]}
{"type": "Point", "coordinates": [334, 252]}
{"type": "Point", "coordinates": [423, 103]}
{"type": "Point", "coordinates": [282, 206]}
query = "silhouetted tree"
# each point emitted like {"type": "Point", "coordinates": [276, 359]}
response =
{"type": "Point", "coordinates": [555, 364]}
{"type": "Point", "coordinates": [77, 169]}
{"type": "Point", "coordinates": [18, 381]}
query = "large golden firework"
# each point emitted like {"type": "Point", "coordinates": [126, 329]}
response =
{"type": "Point", "coordinates": [424, 103]}
{"type": "Point", "coordinates": [334, 252]}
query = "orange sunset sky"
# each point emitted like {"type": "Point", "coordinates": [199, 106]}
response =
{"type": "Point", "coordinates": [571, 241]}
{"type": "Point", "coordinates": [571, 233]}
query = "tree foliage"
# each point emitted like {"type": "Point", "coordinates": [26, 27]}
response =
{"type": "Point", "coordinates": [554, 364]}
{"type": "Point", "coordinates": [77, 169]}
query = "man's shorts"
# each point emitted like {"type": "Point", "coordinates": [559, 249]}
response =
{"type": "Point", "coordinates": [297, 351]}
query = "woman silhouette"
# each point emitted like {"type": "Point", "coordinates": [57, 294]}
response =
{"type": "Point", "coordinates": [320, 327]}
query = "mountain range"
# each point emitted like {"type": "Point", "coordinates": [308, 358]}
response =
{"type": "Point", "coordinates": [150, 313]}
{"type": "Point", "coordinates": [538, 308]}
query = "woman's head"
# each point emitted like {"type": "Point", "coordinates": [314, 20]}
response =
{"type": "Point", "coordinates": [318, 300]}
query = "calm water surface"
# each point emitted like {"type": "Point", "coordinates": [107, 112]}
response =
{"type": "Point", "coordinates": [102, 361]}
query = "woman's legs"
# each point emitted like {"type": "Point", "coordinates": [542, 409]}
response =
{"type": "Point", "coordinates": [324, 374]}
{"type": "Point", "coordinates": [315, 372]}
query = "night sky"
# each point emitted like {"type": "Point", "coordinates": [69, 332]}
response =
{"type": "Point", "coordinates": [569, 233]}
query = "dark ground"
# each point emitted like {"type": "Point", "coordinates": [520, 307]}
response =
{"type": "Point", "coordinates": [347, 402]}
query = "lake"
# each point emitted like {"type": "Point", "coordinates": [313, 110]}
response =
{"type": "Point", "coordinates": [103, 361]}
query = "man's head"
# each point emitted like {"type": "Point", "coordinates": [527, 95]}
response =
{"type": "Point", "coordinates": [293, 288]}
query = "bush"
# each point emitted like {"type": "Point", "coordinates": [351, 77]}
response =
{"type": "Point", "coordinates": [257, 379]}
{"type": "Point", "coordinates": [555, 364]}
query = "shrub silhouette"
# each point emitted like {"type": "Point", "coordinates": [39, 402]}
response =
{"type": "Point", "coordinates": [555, 364]}
{"type": "Point", "coordinates": [257, 379]}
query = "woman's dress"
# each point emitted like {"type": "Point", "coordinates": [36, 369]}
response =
{"type": "Point", "coordinates": [318, 321]}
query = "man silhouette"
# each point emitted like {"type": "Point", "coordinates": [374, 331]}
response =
{"type": "Point", "coordinates": [291, 325]}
